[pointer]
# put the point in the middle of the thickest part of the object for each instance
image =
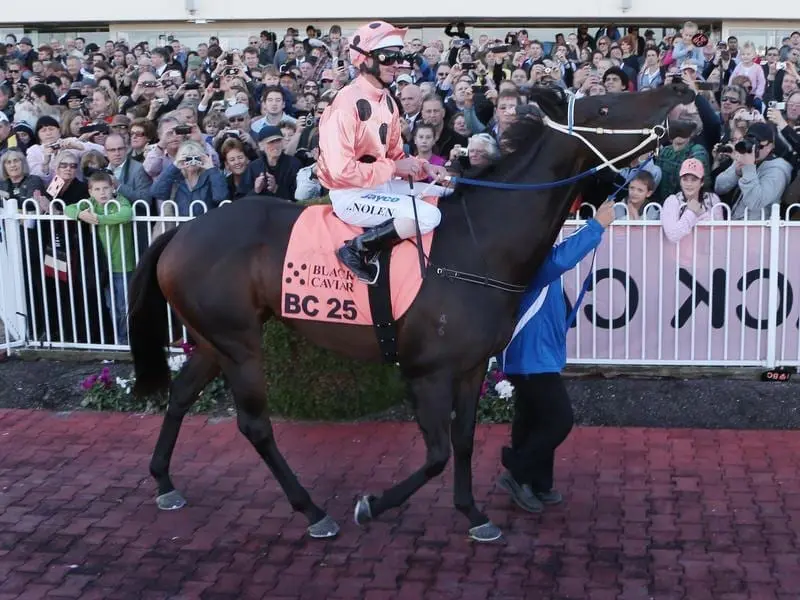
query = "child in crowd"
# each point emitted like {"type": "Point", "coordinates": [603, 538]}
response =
{"type": "Point", "coordinates": [748, 68]}
{"type": "Point", "coordinates": [116, 236]}
{"type": "Point", "coordinates": [424, 138]}
{"type": "Point", "coordinates": [640, 192]}
{"type": "Point", "coordinates": [683, 210]}
{"type": "Point", "coordinates": [684, 50]}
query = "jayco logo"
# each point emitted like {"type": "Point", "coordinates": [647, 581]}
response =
{"type": "Point", "coordinates": [380, 198]}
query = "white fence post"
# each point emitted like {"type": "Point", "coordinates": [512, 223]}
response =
{"type": "Point", "coordinates": [12, 288]}
{"type": "Point", "coordinates": [773, 291]}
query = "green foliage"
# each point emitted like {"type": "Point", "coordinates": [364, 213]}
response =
{"type": "Point", "coordinates": [307, 382]}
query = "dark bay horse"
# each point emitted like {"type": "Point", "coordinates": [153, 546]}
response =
{"type": "Point", "coordinates": [221, 273]}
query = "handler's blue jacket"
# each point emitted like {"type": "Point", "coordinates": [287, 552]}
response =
{"type": "Point", "coordinates": [539, 343]}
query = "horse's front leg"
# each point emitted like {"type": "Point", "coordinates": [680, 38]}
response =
{"type": "Point", "coordinates": [462, 433]}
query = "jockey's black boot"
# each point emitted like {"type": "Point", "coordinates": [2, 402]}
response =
{"type": "Point", "coordinates": [358, 254]}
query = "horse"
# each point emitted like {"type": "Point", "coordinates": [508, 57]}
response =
{"type": "Point", "coordinates": [222, 274]}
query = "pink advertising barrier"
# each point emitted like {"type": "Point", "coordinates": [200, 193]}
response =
{"type": "Point", "coordinates": [702, 301]}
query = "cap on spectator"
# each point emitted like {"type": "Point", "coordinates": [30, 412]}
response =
{"type": "Point", "coordinates": [26, 40]}
{"type": "Point", "coordinates": [404, 78]}
{"type": "Point", "coordinates": [692, 166]}
{"type": "Point", "coordinates": [120, 120]}
{"type": "Point", "coordinates": [269, 133]}
{"type": "Point", "coordinates": [689, 65]}
{"type": "Point", "coordinates": [24, 126]}
{"type": "Point", "coordinates": [236, 110]}
{"type": "Point", "coordinates": [74, 92]}
{"type": "Point", "coordinates": [327, 74]}
{"type": "Point", "coordinates": [763, 132]}
{"type": "Point", "coordinates": [623, 76]}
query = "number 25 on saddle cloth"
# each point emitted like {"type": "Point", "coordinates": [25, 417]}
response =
{"type": "Point", "coordinates": [317, 287]}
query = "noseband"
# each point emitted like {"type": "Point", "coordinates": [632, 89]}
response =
{"type": "Point", "coordinates": [651, 134]}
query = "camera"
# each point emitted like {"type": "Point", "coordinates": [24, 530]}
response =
{"type": "Point", "coordinates": [726, 149]}
{"type": "Point", "coordinates": [149, 84]}
{"type": "Point", "coordinates": [467, 66]}
{"type": "Point", "coordinates": [231, 71]}
{"type": "Point", "coordinates": [777, 105]}
{"type": "Point", "coordinates": [746, 145]}
{"type": "Point", "coordinates": [677, 78]}
{"type": "Point", "coordinates": [183, 129]}
{"type": "Point", "coordinates": [193, 161]}
{"type": "Point", "coordinates": [463, 152]}
{"type": "Point", "coordinates": [781, 66]}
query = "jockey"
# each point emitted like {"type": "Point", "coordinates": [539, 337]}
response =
{"type": "Point", "coordinates": [361, 154]}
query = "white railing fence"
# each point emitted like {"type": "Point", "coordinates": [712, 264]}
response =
{"type": "Point", "coordinates": [726, 294]}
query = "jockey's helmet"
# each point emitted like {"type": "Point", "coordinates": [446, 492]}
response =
{"type": "Point", "coordinates": [374, 36]}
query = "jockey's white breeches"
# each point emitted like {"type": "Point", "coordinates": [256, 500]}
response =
{"type": "Point", "coordinates": [371, 207]}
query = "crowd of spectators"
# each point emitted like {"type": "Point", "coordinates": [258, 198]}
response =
{"type": "Point", "coordinates": [213, 123]}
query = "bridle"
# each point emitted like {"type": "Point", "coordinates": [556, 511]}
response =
{"type": "Point", "coordinates": [651, 134]}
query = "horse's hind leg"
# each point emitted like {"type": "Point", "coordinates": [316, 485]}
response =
{"type": "Point", "coordinates": [433, 399]}
{"type": "Point", "coordinates": [462, 433]}
{"type": "Point", "coordinates": [246, 378]}
{"type": "Point", "coordinates": [200, 369]}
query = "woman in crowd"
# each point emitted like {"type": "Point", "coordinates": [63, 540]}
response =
{"type": "Point", "coordinates": [190, 178]}
{"type": "Point", "coordinates": [234, 158]}
{"type": "Point", "coordinates": [682, 211]}
{"type": "Point", "coordinates": [43, 157]}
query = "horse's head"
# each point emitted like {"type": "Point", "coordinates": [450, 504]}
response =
{"type": "Point", "coordinates": [615, 125]}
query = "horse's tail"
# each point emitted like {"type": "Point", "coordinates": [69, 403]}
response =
{"type": "Point", "coordinates": [147, 321]}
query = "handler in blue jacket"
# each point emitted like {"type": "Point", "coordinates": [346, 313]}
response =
{"type": "Point", "coordinates": [533, 361]}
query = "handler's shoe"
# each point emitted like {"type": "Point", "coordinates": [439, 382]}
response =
{"type": "Point", "coordinates": [550, 498]}
{"type": "Point", "coordinates": [521, 493]}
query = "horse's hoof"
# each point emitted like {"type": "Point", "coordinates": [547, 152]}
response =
{"type": "Point", "coordinates": [171, 500]}
{"type": "Point", "coordinates": [363, 511]}
{"type": "Point", "coordinates": [488, 532]}
{"type": "Point", "coordinates": [324, 528]}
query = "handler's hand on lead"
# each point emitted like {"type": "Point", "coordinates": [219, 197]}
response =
{"type": "Point", "coordinates": [407, 166]}
{"type": "Point", "coordinates": [605, 214]}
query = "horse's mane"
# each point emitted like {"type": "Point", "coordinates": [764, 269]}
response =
{"type": "Point", "coordinates": [525, 134]}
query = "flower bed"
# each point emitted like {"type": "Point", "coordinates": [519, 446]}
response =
{"type": "Point", "coordinates": [303, 382]}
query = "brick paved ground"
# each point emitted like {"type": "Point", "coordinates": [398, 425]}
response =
{"type": "Point", "coordinates": [650, 513]}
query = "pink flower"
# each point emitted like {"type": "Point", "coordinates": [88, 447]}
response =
{"type": "Point", "coordinates": [187, 348]}
{"type": "Point", "coordinates": [484, 388]}
{"type": "Point", "coordinates": [498, 376]}
{"type": "Point", "coordinates": [89, 382]}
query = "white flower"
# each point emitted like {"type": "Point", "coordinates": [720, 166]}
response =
{"type": "Point", "coordinates": [504, 389]}
{"type": "Point", "coordinates": [176, 362]}
{"type": "Point", "coordinates": [125, 384]}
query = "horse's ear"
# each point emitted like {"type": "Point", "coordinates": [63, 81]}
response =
{"type": "Point", "coordinates": [552, 100]}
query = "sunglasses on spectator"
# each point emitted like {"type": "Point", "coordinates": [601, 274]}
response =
{"type": "Point", "coordinates": [13, 70]}
{"type": "Point", "coordinates": [237, 119]}
{"type": "Point", "coordinates": [193, 161]}
{"type": "Point", "coordinates": [67, 165]}
{"type": "Point", "coordinates": [327, 81]}
{"type": "Point", "coordinates": [120, 127]}
{"type": "Point", "coordinates": [730, 99]}
{"type": "Point", "coordinates": [137, 133]}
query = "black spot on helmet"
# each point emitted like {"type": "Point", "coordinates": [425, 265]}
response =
{"type": "Point", "coordinates": [364, 110]}
{"type": "Point", "coordinates": [383, 132]}
{"type": "Point", "coordinates": [390, 103]}
{"type": "Point", "coordinates": [356, 40]}
{"type": "Point", "coordinates": [374, 25]}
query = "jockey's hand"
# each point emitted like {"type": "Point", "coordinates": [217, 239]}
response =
{"type": "Point", "coordinates": [436, 172]}
{"type": "Point", "coordinates": [407, 166]}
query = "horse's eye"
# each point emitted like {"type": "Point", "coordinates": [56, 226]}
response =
{"type": "Point", "coordinates": [603, 111]}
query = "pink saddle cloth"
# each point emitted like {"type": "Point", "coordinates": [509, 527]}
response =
{"type": "Point", "coordinates": [317, 287]}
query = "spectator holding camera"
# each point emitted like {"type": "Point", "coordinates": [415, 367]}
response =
{"type": "Point", "coordinates": [757, 177]}
{"type": "Point", "coordinates": [191, 177]}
